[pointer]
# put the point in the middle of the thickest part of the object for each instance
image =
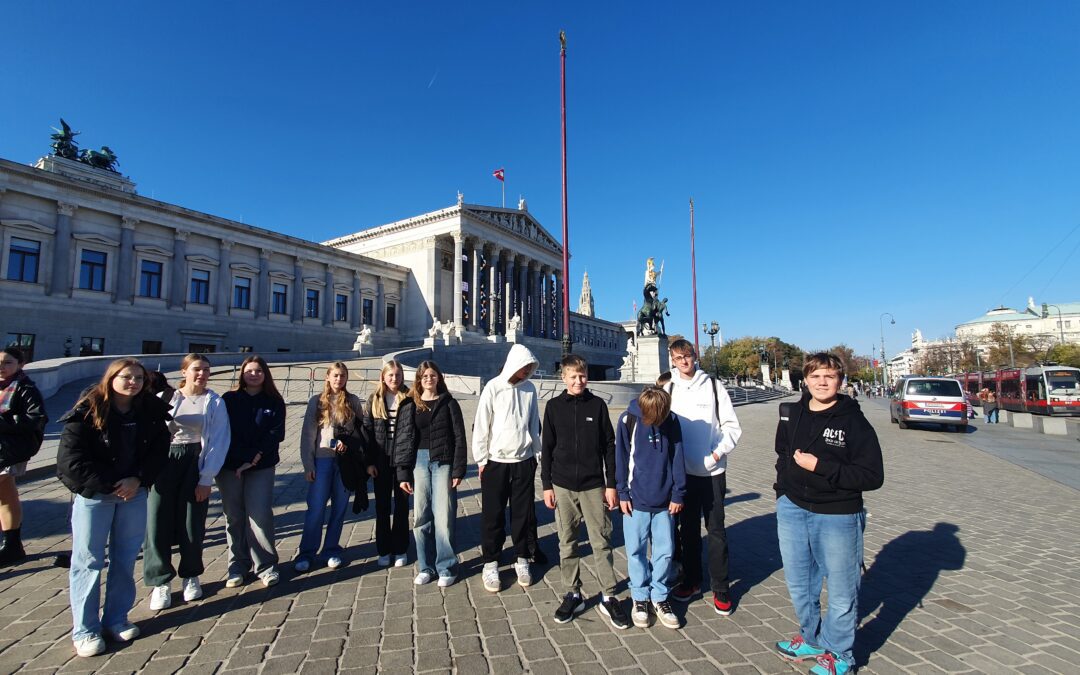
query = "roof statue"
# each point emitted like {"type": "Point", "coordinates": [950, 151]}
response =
{"type": "Point", "coordinates": [64, 143]}
{"type": "Point", "coordinates": [585, 303]}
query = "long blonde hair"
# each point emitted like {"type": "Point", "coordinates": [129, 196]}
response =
{"type": "Point", "coordinates": [99, 397]}
{"type": "Point", "coordinates": [378, 399]}
{"type": "Point", "coordinates": [418, 388]}
{"type": "Point", "coordinates": [335, 408]}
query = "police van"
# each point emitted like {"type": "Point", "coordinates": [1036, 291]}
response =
{"type": "Point", "coordinates": [934, 400]}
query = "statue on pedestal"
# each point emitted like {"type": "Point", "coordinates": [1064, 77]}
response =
{"type": "Point", "coordinates": [364, 337]}
{"type": "Point", "coordinates": [434, 330]}
{"type": "Point", "coordinates": [514, 324]}
{"type": "Point", "coordinates": [63, 142]}
{"type": "Point", "coordinates": [650, 318]}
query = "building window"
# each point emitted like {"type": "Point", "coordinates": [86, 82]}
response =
{"type": "Point", "coordinates": [151, 346]}
{"type": "Point", "coordinates": [280, 297]}
{"type": "Point", "coordinates": [92, 346]}
{"type": "Point", "coordinates": [369, 311]}
{"type": "Point", "coordinates": [246, 349]}
{"type": "Point", "coordinates": [201, 348]}
{"type": "Point", "coordinates": [150, 273]}
{"type": "Point", "coordinates": [23, 257]}
{"type": "Point", "coordinates": [341, 307]}
{"type": "Point", "coordinates": [92, 270]}
{"type": "Point", "coordinates": [391, 315]}
{"type": "Point", "coordinates": [1068, 324]}
{"type": "Point", "coordinates": [200, 287]}
{"type": "Point", "coordinates": [241, 293]}
{"type": "Point", "coordinates": [311, 304]}
{"type": "Point", "coordinates": [24, 341]}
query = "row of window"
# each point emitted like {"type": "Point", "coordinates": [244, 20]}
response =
{"type": "Point", "coordinates": [95, 346]}
{"type": "Point", "coordinates": [24, 263]}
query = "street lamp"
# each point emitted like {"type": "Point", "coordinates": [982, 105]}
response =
{"type": "Point", "coordinates": [711, 330]}
{"type": "Point", "coordinates": [1061, 324]}
{"type": "Point", "coordinates": [881, 325]}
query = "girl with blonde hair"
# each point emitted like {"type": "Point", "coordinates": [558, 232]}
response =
{"type": "Point", "coordinates": [332, 423]}
{"type": "Point", "coordinates": [391, 502]}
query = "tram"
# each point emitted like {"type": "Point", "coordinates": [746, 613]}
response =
{"type": "Point", "coordinates": [1046, 389]}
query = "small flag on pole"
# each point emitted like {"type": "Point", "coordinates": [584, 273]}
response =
{"type": "Point", "coordinates": [500, 174]}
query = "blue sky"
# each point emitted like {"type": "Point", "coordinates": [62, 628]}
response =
{"type": "Point", "coordinates": [846, 158]}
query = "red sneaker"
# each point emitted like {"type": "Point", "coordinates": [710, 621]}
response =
{"type": "Point", "coordinates": [683, 592]}
{"type": "Point", "coordinates": [722, 603]}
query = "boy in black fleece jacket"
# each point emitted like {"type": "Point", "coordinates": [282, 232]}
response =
{"type": "Point", "coordinates": [577, 470]}
{"type": "Point", "coordinates": [827, 455]}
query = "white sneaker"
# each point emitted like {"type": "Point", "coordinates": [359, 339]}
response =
{"type": "Point", "coordinates": [384, 561]}
{"type": "Point", "coordinates": [125, 632]}
{"type": "Point", "coordinates": [334, 562]}
{"type": "Point", "coordinates": [90, 646]}
{"type": "Point", "coordinates": [524, 574]}
{"type": "Point", "coordinates": [401, 560]}
{"type": "Point", "coordinates": [192, 589]}
{"type": "Point", "coordinates": [302, 565]}
{"type": "Point", "coordinates": [491, 577]}
{"type": "Point", "coordinates": [161, 597]}
{"type": "Point", "coordinates": [234, 581]}
{"type": "Point", "coordinates": [270, 577]}
{"type": "Point", "coordinates": [447, 581]}
{"type": "Point", "coordinates": [664, 614]}
{"type": "Point", "coordinates": [423, 578]}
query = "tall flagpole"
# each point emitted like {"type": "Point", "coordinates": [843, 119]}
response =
{"type": "Point", "coordinates": [565, 224]}
{"type": "Point", "coordinates": [693, 276]}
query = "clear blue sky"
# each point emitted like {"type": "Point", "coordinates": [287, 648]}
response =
{"type": "Point", "coordinates": [846, 158]}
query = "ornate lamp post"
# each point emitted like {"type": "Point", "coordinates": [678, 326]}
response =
{"type": "Point", "coordinates": [711, 330]}
{"type": "Point", "coordinates": [881, 325]}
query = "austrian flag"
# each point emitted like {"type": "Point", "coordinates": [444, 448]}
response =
{"type": "Point", "coordinates": [499, 173]}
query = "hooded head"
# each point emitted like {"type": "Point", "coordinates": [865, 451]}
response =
{"type": "Point", "coordinates": [520, 362]}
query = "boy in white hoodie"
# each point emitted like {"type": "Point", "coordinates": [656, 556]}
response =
{"type": "Point", "coordinates": [710, 431]}
{"type": "Point", "coordinates": [505, 443]}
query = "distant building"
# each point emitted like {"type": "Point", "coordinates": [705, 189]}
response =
{"type": "Point", "coordinates": [1060, 321]}
{"type": "Point", "coordinates": [585, 303]}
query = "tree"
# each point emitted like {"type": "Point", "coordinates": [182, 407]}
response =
{"type": "Point", "coordinates": [1065, 354]}
{"type": "Point", "coordinates": [1022, 353]}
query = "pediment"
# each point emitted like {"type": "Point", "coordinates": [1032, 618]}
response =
{"type": "Point", "coordinates": [28, 225]}
{"type": "Point", "coordinates": [95, 238]}
{"type": "Point", "coordinates": [201, 259]}
{"type": "Point", "coordinates": [153, 250]}
{"type": "Point", "coordinates": [314, 281]}
{"type": "Point", "coordinates": [244, 267]}
{"type": "Point", "coordinates": [277, 274]}
{"type": "Point", "coordinates": [519, 222]}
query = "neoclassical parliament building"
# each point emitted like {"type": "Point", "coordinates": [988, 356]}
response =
{"type": "Point", "coordinates": [91, 267]}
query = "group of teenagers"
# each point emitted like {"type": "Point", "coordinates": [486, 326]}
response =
{"type": "Point", "coordinates": [141, 465]}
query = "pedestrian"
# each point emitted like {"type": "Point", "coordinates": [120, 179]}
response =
{"type": "Point", "coordinates": [22, 430]}
{"type": "Point", "coordinates": [710, 431]}
{"type": "Point", "coordinates": [506, 442]}
{"type": "Point", "coordinates": [651, 483]}
{"type": "Point", "coordinates": [333, 421]}
{"type": "Point", "coordinates": [577, 471]}
{"type": "Point", "coordinates": [113, 447]}
{"type": "Point", "coordinates": [246, 480]}
{"type": "Point", "coordinates": [391, 502]}
{"type": "Point", "coordinates": [990, 407]}
{"type": "Point", "coordinates": [827, 456]}
{"type": "Point", "coordinates": [429, 456]}
{"type": "Point", "coordinates": [179, 499]}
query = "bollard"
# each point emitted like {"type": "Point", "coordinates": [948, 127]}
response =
{"type": "Point", "coordinates": [1020, 420]}
{"type": "Point", "coordinates": [1052, 426]}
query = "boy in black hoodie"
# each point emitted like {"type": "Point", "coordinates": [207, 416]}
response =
{"type": "Point", "coordinates": [827, 455]}
{"type": "Point", "coordinates": [577, 470]}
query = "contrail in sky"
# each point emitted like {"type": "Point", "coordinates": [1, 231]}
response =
{"type": "Point", "coordinates": [433, 78]}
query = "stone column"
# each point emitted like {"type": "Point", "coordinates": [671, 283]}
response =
{"type": "Point", "coordinates": [508, 289]}
{"type": "Point", "coordinates": [357, 316]}
{"type": "Point", "coordinates": [262, 293]}
{"type": "Point", "coordinates": [534, 320]}
{"type": "Point", "coordinates": [558, 305]}
{"type": "Point", "coordinates": [474, 285]}
{"type": "Point", "coordinates": [458, 273]}
{"type": "Point", "coordinates": [224, 277]}
{"type": "Point", "coordinates": [380, 305]}
{"type": "Point", "coordinates": [329, 302]}
{"type": "Point", "coordinates": [523, 293]}
{"type": "Point", "coordinates": [125, 276]}
{"type": "Point", "coordinates": [493, 291]}
{"type": "Point", "coordinates": [545, 302]}
{"type": "Point", "coordinates": [178, 273]}
{"type": "Point", "coordinates": [62, 272]}
{"type": "Point", "coordinates": [299, 300]}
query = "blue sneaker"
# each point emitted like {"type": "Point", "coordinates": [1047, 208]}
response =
{"type": "Point", "coordinates": [796, 649]}
{"type": "Point", "coordinates": [828, 664]}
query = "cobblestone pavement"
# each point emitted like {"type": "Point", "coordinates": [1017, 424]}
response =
{"type": "Point", "coordinates": [972, 567]}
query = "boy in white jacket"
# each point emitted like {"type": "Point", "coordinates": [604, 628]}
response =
{"type": "Point", "coordinates": [710, 431]}
{"type": "Point", "coordinates": [505, 443]}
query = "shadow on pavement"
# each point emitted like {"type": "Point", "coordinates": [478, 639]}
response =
{"type": "Point", "coordinates": [902, 574]}
{"type": "Point", "coordinates": [755, 553]}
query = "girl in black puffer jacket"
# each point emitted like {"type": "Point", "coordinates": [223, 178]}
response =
{"type": "Point", "coordinates": [22, 428]}
{"type": "Point", "coordinates": [380, 420]}
{"type": "Point", "coordinates": [430, 454]}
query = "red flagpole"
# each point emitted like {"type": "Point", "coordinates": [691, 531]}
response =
{"type": "Point", "coordinates": [565, 225]}
{"type": "Point", "coordinates": [693, 276]}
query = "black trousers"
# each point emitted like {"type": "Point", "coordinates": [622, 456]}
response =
{"type": "Point", "coordinates": [391, 511]}
{"type": "Point", "coordinates": [502, 484]}
{"type": "Point", "coordinates": [704, 502]}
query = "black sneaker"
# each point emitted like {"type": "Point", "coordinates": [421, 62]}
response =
{"type": "Point", "coordinates": [683, 592]}
{"type": "Point", "coordinates": [612, 609]}
{"type": "Point", "coordinates": [722, 603]}
{"type": "Point", "coordinates": [572, 604]}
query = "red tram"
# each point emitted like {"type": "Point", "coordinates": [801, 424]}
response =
{"type": "Point", "coordinates": [1043, 390]}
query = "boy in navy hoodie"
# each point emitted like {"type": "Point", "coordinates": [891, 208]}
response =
{"type": "Point", "coordinates": [650, 478]}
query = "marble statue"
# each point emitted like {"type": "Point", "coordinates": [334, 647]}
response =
{"type": "Point", "coordinates": [364, 337]}
{"type": "Point", "coordinates": [514, 324]}
{"type": "Point", "coordinates": [434, 330]}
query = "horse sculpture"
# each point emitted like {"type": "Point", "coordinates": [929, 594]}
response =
{"type": "Point", "coordinates": [650, 318]}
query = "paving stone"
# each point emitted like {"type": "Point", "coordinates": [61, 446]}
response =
{"type": "Point", "coordinates": [282, 665]}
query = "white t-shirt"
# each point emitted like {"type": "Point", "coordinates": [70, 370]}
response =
{"type": "Point", "coordinates": [188, 419]}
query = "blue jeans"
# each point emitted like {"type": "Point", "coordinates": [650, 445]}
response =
{"type": "Point", "coordinates": [434, 513]}
{"type": "Point", "coordinates": [650, 578]}
{"type": "Point", "coordinates": [814, 547]}
{"type": "Point", "coordinates": [327, 486]}
{"type": "Point", "coordinates": [991, 413]}
{"type": "Point", "coordinates": [121, 525]}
